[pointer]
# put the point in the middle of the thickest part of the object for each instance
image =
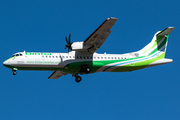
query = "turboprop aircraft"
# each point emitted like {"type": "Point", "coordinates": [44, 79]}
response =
{"type": "Point", "coordinates": [83, 58]}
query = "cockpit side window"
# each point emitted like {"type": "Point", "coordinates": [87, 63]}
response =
{"type": "Point", "coordinates": [20, 54]}
{"type": "Point", "coordinates": [13, 55]}
{"type": "Point", "coordinates": [17, 54]}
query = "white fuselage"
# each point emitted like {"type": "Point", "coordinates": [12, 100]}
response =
{"type": "Point", "coordinates": [58, 60]}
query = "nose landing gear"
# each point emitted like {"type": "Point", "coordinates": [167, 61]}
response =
{"type": "Point", "coordinates": [14, 71]}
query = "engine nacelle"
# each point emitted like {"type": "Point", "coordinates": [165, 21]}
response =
{"type": "Point", "coordinates": [78, 46]}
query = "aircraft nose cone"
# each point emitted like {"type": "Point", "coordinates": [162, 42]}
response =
{"type": "Point", "coordinates": [5, 63]}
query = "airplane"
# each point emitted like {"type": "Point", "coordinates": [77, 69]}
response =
{"type": "Point", "coordinates": [83, 59]}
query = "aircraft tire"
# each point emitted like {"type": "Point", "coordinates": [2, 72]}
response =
{"type": "Point", "coordinates": [14, 73]}
{"type": "Point", "coordinates": [78, 79]}
{"type": "Point", "coordinates": [88, 70]}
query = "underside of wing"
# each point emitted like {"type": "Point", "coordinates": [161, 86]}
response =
{"type": "Point", "coordinates": [56, 74]}
{"type": "Point", "coordinates": [97, 38]}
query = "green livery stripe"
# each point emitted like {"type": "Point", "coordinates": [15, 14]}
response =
{"type": "Point", "coordinates": [11, 58]}
{"type": "Point", "coordinates": [135, 61]}
{"type": "Point", "coordinates": [155, 47]}
{"type": "Point", "coordinates": [137, 65]}
{"type": "Point", "coordinates": [158, 39]}
{"type": "Point", "coordinates": [160, 46]}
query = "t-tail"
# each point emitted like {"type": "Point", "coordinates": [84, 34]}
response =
{"type": "Point", "coordinates": [155, 51]}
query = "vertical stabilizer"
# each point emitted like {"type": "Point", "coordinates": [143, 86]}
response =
{"type": "Point", "coordinates": [158, 44]}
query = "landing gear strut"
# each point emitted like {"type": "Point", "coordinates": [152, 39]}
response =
{"type": "Point", "coordinates": [78, 78]}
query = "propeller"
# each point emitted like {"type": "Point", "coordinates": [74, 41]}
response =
{"type": "Point", "coordinates": [68, 42]}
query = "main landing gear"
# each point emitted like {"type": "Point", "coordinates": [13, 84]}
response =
{"type": "Point", "coordinates": [85, 69]}
{"type": "Point", "coordinates": [78, 79]}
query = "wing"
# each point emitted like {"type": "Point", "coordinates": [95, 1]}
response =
{"type": "Point", "coordinates": [97, 38]}
{"type": "Point", "coordinates": [56, 75]}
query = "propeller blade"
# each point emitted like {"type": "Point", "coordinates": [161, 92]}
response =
{"type": "Point", "coordinates": [68, 45]}
{"type": "Point", "coordinates": [66, 39]}
{"type": "Point", "coordinates": [70, 38]}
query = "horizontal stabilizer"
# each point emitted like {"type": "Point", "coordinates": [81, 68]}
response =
{"type": "Point", "coordinates": [160, 62]}
{"type": "Point", "coordinates": [166, 31]}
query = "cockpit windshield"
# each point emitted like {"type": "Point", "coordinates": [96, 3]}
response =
{"type": "Point", "coordinates": [12, 55]}
{"type": "Point", "coordinates": [17, 54]}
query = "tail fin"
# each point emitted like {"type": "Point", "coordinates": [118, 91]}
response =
{"type": "Point", "coordinates": [158, 44]}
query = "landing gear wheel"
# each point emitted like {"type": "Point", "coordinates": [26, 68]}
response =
{"type": "Point", "coordinates": [88, 70]}
{"type": "Point", "coordinates": [14, 73]}
{"type": "Point", "coordinates": [78, 79]}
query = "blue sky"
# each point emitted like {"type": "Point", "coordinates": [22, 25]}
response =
{"type": "Point", "coordinates": [41, 26]}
